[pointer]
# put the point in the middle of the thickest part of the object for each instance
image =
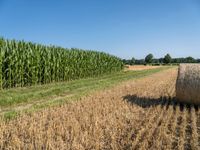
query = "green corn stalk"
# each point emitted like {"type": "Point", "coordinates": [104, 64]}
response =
{"type": "Point", "coordinates": [25, 64]}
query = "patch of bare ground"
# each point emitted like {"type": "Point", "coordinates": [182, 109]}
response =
{"type": "Point", "coordinates": [139, 114]}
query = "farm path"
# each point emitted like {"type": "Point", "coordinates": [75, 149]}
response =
{"type": "Point", "coordinates": [139, 114]}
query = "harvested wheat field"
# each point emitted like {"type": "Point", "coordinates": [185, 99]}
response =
{"type": "Point", "coordinates": [138, 114]}
{"type": "Point", "coordinates": [140, 67]}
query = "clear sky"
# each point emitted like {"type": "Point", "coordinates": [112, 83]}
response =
{"type": "Point", "coordinates": [125, 28]}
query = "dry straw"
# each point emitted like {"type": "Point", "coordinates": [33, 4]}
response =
{"type": "Point", "coordinates": [188, 83]}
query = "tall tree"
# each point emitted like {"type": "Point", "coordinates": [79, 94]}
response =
{"type": "Point", "coordinates": [149, 58]}
{"type": "Point", "coordinates": [167, 59]}
{"type": "Point", "coordinates": [133, 61]}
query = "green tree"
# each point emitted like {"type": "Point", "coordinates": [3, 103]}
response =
{"type": "Point", "coordinates": [167, 59]}
{"type": "Point", "coordinates": [190, 59]}
{"type": "Point", "coordinates": [149, 58]}
{"type": "Point", "coordinates": [133, 61]}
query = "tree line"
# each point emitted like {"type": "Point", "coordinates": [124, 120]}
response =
{"type": "Point", "coordinates": [167, 59]}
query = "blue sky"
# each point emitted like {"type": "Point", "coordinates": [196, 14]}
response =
{"type": "Point", "coordinates": [126, 28]}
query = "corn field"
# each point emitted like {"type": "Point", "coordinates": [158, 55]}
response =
{"type": "Point", "coordinates": [25, 64]}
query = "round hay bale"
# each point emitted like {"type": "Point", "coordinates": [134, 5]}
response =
{"type": "Point", "coordinates": [188, 83]}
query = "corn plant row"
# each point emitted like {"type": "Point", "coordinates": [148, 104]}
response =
{"type": "Point", "coordinates": [25, 64]}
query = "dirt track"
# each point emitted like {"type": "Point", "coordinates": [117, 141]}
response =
{"type": "Point", "coordinates": [140, 114]}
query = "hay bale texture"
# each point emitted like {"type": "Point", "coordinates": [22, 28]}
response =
{"type": "Point", "coordinates": [188, 84]}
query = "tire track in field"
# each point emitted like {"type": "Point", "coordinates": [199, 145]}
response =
{"type": "Point", "coordinates": [171, 126]}
{"type": "Point", "coordinates": [188, 129]}
{"type": "Point", "coordinates": [194, 141]}
{"type": "Point", "coordinates": [183, 126]}
{"type": "Point", "coordinates": [163, 134]}
{"type": "Point", "coordinates": [152, 133]}
{"type": "Point", "coordinates": [155, 123]}
{"type": "Point", "coordinates": [198, 125]}
{"type": "Point", "coordinates": [133, 132]}
{"type": "Point", "coordinates": [160, 133]}
{"type": "Point", "coordinates": [176, 127]}
{"type": "Point", "coordinates": [184, 135]}
{"type": "Point", "coordinates": [148, 125]}
{"type": "Point", "coordinates": [161, 122]}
